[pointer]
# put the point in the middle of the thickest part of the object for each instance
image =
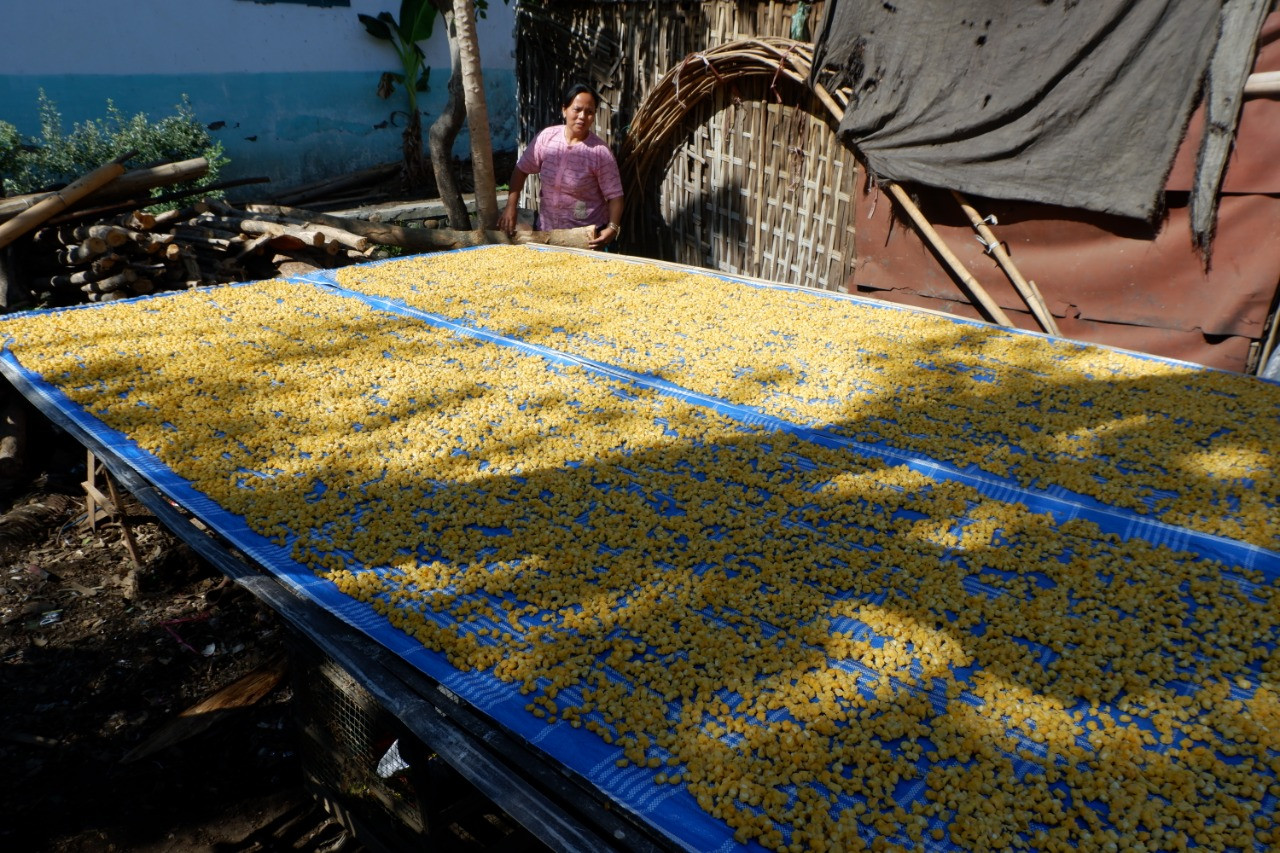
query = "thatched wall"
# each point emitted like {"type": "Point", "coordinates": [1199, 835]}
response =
{"type": "Point", "coordinates": [748, 177]}
{"type": "Point", "coordinates": [732, 164]}
{"type": "Point", "coordinates": [622, 49]}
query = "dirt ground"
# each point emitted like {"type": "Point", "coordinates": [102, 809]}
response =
{"type": "Point", "coordinates": [96, 659]}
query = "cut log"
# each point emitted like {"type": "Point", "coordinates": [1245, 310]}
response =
{"type": "Point", "coordinates": [190, 265]}
{"type": "Point", "coordinates": [151, 242]}
{"type": "Point", "coordinates": [106, 263]}
{"type": "Point", "coordinates": [74, 256]}
{"type": "Point", "coordinates": [429, 239]}
{"type": "Point", "coordinates": [114, 235]}
{"type": "Point", "coordinates": [308, 236]}
{"type": "Point", "coordinates": [252, 223]}
{"type": "Point", "coordinates": [194, 236]}
{"type": "Point", "coordinates": [78, 278]}
{"type": "Point", "coordinates": [142, 268]}
{"type": "Point", "coordinates": [111, 283]}
{"type": "Point", "coordinates": [141, 220]}
{"type": "Point", "coordinates": [287, 243]}
{"type": "Point", "coordinates": [253, 246]}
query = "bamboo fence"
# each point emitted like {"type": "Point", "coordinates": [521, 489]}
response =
{"type": "Point", "coordinates": [622, 49]}
{"type": "Point", "coordinates": [729, 157]}
{"type": "Point", "coordinates": [732, 163]}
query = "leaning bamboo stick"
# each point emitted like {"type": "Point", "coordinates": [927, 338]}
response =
{"type": "Point", "coordinates": [1269, 345]}
{"type": "Point", "coordinates": [62, 199]}
{"type": "Point", "coordinates": [976, 290]}
{"type": "Point", "coordinates": [125, 184]}
{"type": "Point", "coordinates": [1027, 289]}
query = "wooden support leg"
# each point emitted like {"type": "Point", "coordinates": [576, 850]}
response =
{"type": "Point", "coordinates": [91, 494]}
{"type": "Point", "coordinates": [99, 506]}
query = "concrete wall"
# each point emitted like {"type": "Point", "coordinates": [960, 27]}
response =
{"type": "Point", "coordinates": [288, 88]}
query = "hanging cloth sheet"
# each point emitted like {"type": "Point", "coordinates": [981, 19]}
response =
{"type": "Point", "coordinates": [1068, 103]}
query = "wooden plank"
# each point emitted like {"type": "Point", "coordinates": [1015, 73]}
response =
{"type": "Point", "coordinates": [200, 717]}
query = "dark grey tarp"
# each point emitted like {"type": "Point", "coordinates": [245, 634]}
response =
{"type": "Point", "coordinates": [1079, 104]}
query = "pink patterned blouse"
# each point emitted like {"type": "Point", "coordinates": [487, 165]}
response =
{"type": "Point", "coordinates": [577, 180]}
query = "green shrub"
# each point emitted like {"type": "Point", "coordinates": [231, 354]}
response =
{"type": "Point", "coordinates": [57, 158]}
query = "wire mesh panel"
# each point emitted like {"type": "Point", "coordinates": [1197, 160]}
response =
{"type": "Point", "coordinates": [344, 734]}
{"type": "Point", "coordinates": [381, 782]}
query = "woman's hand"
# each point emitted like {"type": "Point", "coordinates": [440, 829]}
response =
{"type": "Point", "coordinates": [604, 236]}
{"type": "Point", "coordinates": [507, 221]}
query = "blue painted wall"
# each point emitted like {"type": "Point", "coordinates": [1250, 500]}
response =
{"type": "Point", "coordinates": [288, 89]}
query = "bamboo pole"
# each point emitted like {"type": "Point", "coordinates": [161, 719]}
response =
{"type": "Point", "coordinates": [1027, 289]}
{"type": "Point", "coordinates": [1269, 344]}
{"type": "Point", "coordinates": [61, 200]}
{"type": "Point", "coordinates": [125, 184]}
{"type": "Point", "coordinates": [1263, 83]}
{"type": "Point", "coordinates": [976, 290]}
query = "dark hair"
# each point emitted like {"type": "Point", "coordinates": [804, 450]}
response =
{"type": "Point", "coordinates": [576, 90]}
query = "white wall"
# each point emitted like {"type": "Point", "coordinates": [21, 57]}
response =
{"type": "Point", "coordinates": [211, 36]}
{"type": "Point", "coordinates": [289, 89]}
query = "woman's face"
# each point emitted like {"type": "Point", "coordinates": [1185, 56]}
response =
{"type": "Point", "coordinates": [580, 115]}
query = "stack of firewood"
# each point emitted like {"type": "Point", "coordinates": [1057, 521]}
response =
{"type": "Point", "coordinates": [95, 241]}
{"type": "Point", "coordinates": [207, 243]}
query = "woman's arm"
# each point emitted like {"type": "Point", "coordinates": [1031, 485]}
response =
{"type": "Point", "coordinates": [507, 221]}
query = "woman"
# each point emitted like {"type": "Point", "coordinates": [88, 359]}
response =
{"type": "Point", "coordinates": [580, 180]}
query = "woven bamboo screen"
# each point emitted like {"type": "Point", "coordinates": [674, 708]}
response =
{"type": "Point", "coordinates": [622, 49]}
{"type": "Point", "coordinates": [755, 181]}
{"type": "Point", "coordinates": [732, 164]}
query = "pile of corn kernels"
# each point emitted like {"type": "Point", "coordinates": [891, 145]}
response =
{"type": "Point", "coordinates": [824, 651]}
{"type": "Point", "coordinates": [1193, 447]}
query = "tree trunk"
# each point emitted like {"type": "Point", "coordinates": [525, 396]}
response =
{"type": "Point", "coordinates": [477, 113]}
{"type": "Point", "coordinates": [415, 171]}
{"type": "Point", "coordinates": [444, 130]}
